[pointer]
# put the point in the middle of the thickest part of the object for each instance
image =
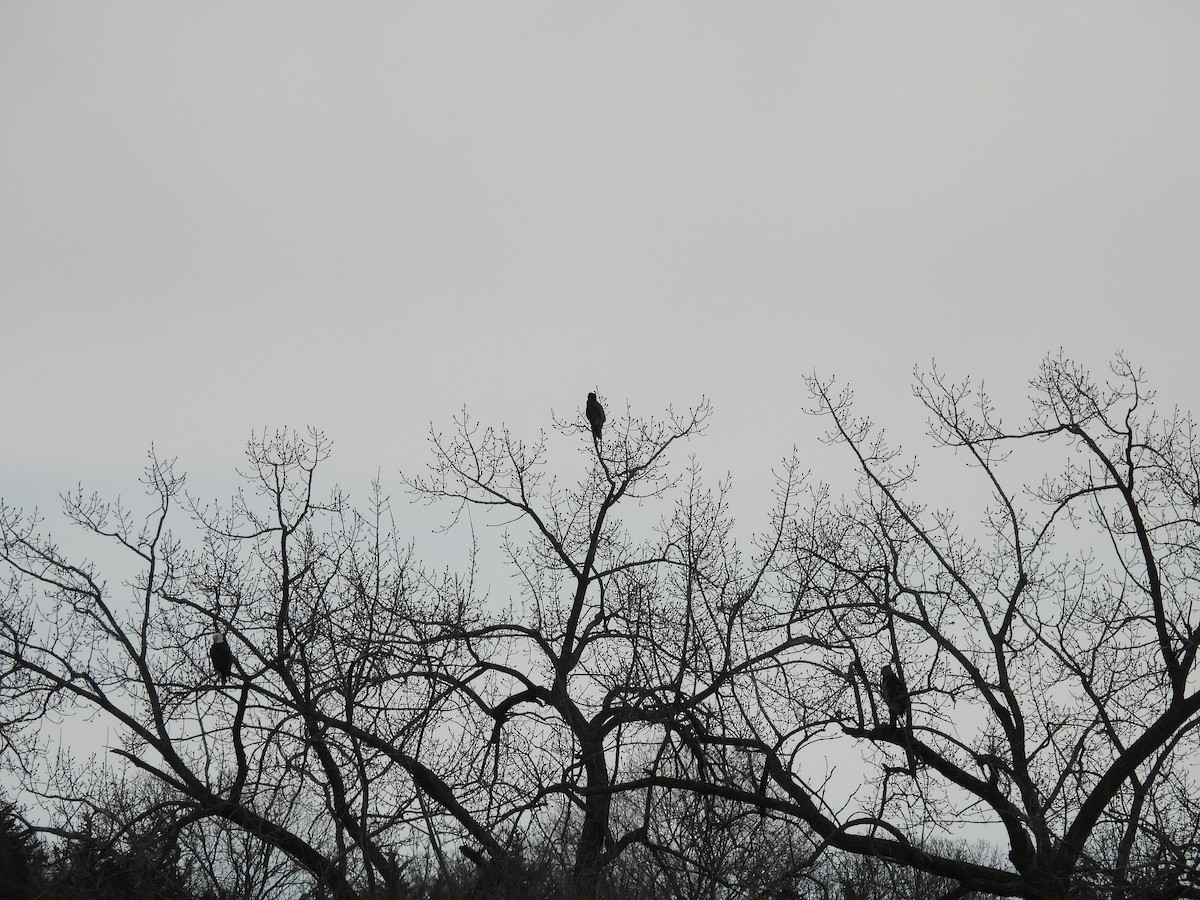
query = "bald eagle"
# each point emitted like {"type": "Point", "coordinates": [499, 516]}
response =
{"type": "Point", "coordinates": [222, 657]}
{"type": "Point", "coordinates": [595, 415]}
{"type": "Point", "coordinates": [895, 694]}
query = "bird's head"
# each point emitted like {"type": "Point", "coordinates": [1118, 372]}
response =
{"type": "Point", "coordinates": [591, 395]}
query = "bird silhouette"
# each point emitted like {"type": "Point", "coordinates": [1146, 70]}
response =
{"type": "Point", "coordinates": [222, 658]}
{"type": "Point", "coordinates": [895, 693]}
{"type": "Point", "coordinates": [595, 415]}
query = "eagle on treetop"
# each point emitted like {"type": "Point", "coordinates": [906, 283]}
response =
{"type": "Point", "coordinates": [222, 657]}
{"type": "Point", "coordinates": [595, 415]}
{"type": "Point", "coordinates": [895, 694]}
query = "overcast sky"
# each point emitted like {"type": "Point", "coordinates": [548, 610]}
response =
{"type": "Point", "coordinates": [220, 216]}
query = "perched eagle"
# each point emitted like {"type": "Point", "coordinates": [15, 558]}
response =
{"type": "Point", "coordinates": [222, 658]}
{"type": "Point", "coordinates": [595, 414]}
{"type": "Point", "coordinates": [895, 694]}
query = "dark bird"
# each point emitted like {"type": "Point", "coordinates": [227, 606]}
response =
{"type": "Point", "coordinates": [895, 694]}
{"type": "Point", "coordinates": [595, 415]}
{"type": "Point", "coordinates": [222, 658]}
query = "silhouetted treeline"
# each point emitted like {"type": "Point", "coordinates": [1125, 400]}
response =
{"type": "Point", "coordinates": [95, 867]}
{"type": "Point", "coordinates": [294, 705]}
{"type": "Point", "coordinates": [89, 866]}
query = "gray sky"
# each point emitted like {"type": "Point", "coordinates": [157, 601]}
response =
{"type": "Point", "coordinates": [220, 216]}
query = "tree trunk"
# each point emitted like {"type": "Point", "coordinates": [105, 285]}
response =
{"type": "Point", "coordinates": [594, 834]}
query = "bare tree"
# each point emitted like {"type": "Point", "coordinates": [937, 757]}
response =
{"type": "Point", "coordinates": [613, 670]}
{"type": "Point", "coordinates": [375, 712]}
{"type": "Point", "coordinates": [315, 746]}
{"type": "Point", "coordinates": [1047, 651]}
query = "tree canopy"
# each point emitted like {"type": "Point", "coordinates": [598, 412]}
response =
{"type": "Point", "coordinates": [658, 693]}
